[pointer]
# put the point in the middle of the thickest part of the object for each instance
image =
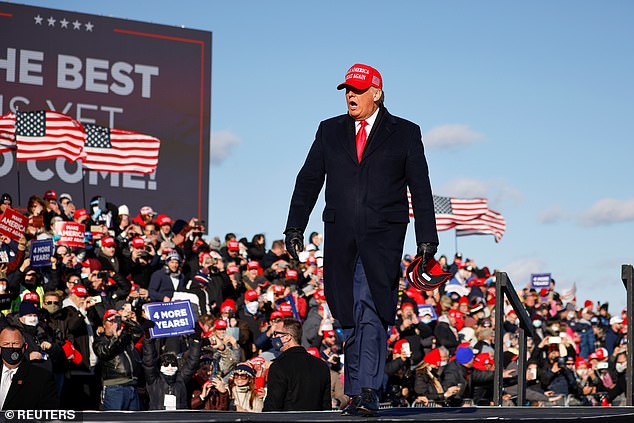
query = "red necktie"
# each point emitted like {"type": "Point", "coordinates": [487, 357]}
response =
{"type": "Point", "coordinates": [362, 137]}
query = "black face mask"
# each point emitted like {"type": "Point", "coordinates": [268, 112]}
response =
{"type": "Point", "coordinates": [12, 355]}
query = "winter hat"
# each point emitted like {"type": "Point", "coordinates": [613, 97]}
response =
{"type": "Point", "coordinates": [244, 369]}
{"type": "Point", "coordinates": [464, 355]}
{"type": "Point", "coordinates": [27, 307]}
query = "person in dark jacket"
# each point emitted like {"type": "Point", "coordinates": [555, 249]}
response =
{"type": "Point", "coordinates": [166, 381]}
{"type": "Point", "coordinates": [427, 384]}
{"type": "Point", "coordinates": [446, 333]}
{"type": "Point", "coordinates": [456, 374]}
{"type": "Point", "coordinates": [120, 362]}
{"type": "Point", "coordinates": [208, 390]}
{"type": "Point", "coordinates": [297, 380]}
{"type": "Point", "coordinates": [30, 387]}
{"type": "Point", "coordinates": [167, 280]}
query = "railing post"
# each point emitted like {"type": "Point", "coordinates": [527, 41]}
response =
{"type": "Point", "coordinates": [500, 281]}
{"type": "Point", "coordinates": [628, 281]}
{"type": "Point", "coordinates": [521, 369]}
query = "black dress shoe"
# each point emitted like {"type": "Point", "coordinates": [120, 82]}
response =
{"type": "Point", "coordinates": [369, 404]}
{"type": "Point", "coordinates": [351, 408]}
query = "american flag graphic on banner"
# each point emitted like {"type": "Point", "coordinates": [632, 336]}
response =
{"type": "Point", "coordinates": [47, 134]}
{"type": "Point", "coordinates": [116, 150]}
{"type": "Point", "coordinates": [490, 223]}
{"type": "Point", "coordinates": [7, 132]}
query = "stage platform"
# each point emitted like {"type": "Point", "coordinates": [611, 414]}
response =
{"type": "Point", "coordinates": [453, 415]}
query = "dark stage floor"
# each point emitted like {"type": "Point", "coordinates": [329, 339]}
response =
{"type": "Point", "coordinates": [454, 415]}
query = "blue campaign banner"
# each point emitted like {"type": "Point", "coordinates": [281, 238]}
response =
{"type": "Point", "coordinates": [427, 309]}
{"type": "Point", "coordinates": [171, 319]}
{"type": "Point", "coordinates": [41, 252]}
{"type": "Point", "coordinates": [540, 280]}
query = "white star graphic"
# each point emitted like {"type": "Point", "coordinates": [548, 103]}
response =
{"type": "Point", "coordinates": [64, 23]}
{"type": "Point", "coordinates": [76, 24]}
{"type": "Point", "coordinates": [38, 20]}
{"type": "Point", "coordinates": [89, 26]}
{"type": "Point", "coordinates": [51, 21]}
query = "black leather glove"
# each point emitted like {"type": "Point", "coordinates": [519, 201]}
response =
{"type": "Point", "coordinates": [294, 241]}
{"type": "Point", "coordinates": [426, 250]}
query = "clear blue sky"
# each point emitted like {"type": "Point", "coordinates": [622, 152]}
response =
{"type": "Point", "coordinates": [529, 104]}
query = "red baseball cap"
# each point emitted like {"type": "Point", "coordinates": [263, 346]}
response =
{"type": "Point", "coordinates": [233, 246]}
{"type": "Point", "coordinates": [251, 295]}
{"type": "Point", "coordinates": [286, 309]}
{"type": "Point", "coordinates": [313, 351]}
{"type": "Point", "coordinates": [362, 77]}
{"type": "Point", "coordinates": [291, 274]}
{"type": "Point", "coordinates": [227, 305]}
{"type": "Point", "coordinates": [107, 241]}
{"type": "Point", "coordinates": [433, 357]}
{"type": "Point", "coordinates": [164, 220]}
{"type": "Point", "coordinates": [407, 304]}
{"type": "Point", "coordinates": [253, 265]}
{"type": "Point", "coordinates": [276, 315]}
{"type": "Point", "coordinates": [398, 347]}
{"type": "Point", "coordinates": [232, 269]}
{"type": "Point", "coordinates": [31, 296]}
{"type": "Point", "coordinates": [220, 324]}
{"type": "Point", "coordinates": [278, 289]}
{"type": "Point", "coordinates": [319, 295]}
{"type": "Point", "coordinates": [80, 213]}
{"type": "Point", "coordinates": [329, 333]}
{"type": "Point", "coordinates": [50, 195]}
{"type": "Point", "coordinates": [79, 290]}
{"type": "Point", "coordinates": [109, 313]}
{"type": "Point", "coordinates": [145, 210]}
{"type": "Point", "coordinates": [137, 242]}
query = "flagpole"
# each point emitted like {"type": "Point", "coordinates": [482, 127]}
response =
{"type": "Point", "coordinates": [456, 239]}
{"type": "Point", "coordinates": [83, 185]}
{"type": "Point", "coordinates": [17, 165]}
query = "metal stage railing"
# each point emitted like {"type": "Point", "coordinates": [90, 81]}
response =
{"type": "Point", "coordinates": [628, 281]}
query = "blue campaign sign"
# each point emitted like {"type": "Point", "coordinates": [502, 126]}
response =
{"type": "Point", "coordinates": [41, 252]}
{"type": "Point", "coordinates": [540, 280]}
{"type": "Point", "coordinates": [427, 309]}
{"type": "Point", "coordinates": [171, 319]}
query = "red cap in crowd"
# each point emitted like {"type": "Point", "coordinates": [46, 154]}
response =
{"type": "Point", "coordinates": [398, 347]}
{"type": "Point", "coordinates": [228, 305]}
{"type": "Point", "coordinates": [311, 261]}
{"type": "Point", "coordinates": [286, 309]}
{"type": "Point", "coordinates": [291, 274]}
{"type": "Point", "coordinates": [313, 351]}
{"type": "Point", "coordinates": [232, 269]}
{"type": "Point", "coordinates": [31, 296]}
{"type": "Point", "coordinates": [482, 360]}
{"type": "Point", "coordinates": [463, 300]}
{"type": "Point", "coordinates": [233, 246]}
{"type": "Point", "coordinates": [433, 357]}
{"type": "Point", "coordinates": [579, 361]}
{"type": "Point", "coordinates": [137, 242]}
{"type": "Point", "coordinates": [407, 304]}
{"type": "Point", "coordinates": [319, 295]}
{"type": "Point", "coordinates": [276, 315]}
{"type": "Point", "coordinates": [147, 210]}
{"type": "Point", "coordinates": [79, 290]}
{"type": "Point", "coordinates": [107, 241]}
{"type": "Point", "coordinates": [220, 324]}
{"type": "Point", "coordinates": [92, 263]}
{"type": "Point", "coordinates": [251, 295]}
{"type": "Point", "coordinates": [362, 77]}
{"type": "Point", "coordinates": [50, 195]}
{"type": "Point", "coordinates": [328, 333]}
{"type": "Point", "coordinates": [109, 313]}
{"type": "Point", "coordinates": [80, 214]}
{"type": "Point", "coordinates": [587, 304]}
{"type": "Point", "coordinates": [253, 265]}
{"type": "Point", "coordinates": [164, 220]}
{"type": "Point", "coordinates": [278, 289]}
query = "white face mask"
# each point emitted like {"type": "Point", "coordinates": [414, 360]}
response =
{"type": "Point", "coordinates": [3, 287]}
{"type": "Point", "coordinates": [252, 307]}
{"type": "Point", "coordinates": [582, 372]}
{"type": "Point", "coordinates": [621, 367]}
{"type": "Point", "coordinates": [169, 370]}
{"type": "Point", "coordinates": [426, 320]}
{"type": "Point", "coordinates": [532, 373]}
{"type": "Point", "coordinates": [443, 363]}
{"type": "Point", "coordinates": [31, 320]}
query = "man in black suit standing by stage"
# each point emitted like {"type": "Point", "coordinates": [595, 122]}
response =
{"type": "Point", "coordinates": [297, 380]}
{"type": "Point", "coordinates": [368, 158]}
{"type": "Point", "coordinates": [22, 385]}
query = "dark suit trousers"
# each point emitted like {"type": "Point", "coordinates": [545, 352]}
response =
{"type": "Point", "coordinates": [366, 343]}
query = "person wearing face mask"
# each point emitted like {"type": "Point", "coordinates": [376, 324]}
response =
{"type": "Point", "coordinates": [618, 368]}
{"type": "Point", "coordinates": [22, 384]}
{"type": "Point", "coordinates": [427, 386]}
{"type": "Point", "coordinates": [42, 349]}
{"type": "Point", "coordinates": [120, 362]}
{"type": "Point", "coordinates": [413, 330]}
{"type": "Point", "coordinates": [166, 380]}
{"type": "Point", "coordinates": [251, 314]}
{"type": "Point", "coordinates": [297, 381]}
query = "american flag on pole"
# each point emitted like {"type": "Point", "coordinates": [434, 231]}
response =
{"type": "Point", "coordinates": [116, 150]}
{"type": "Point", "coordinates": [469, 216]}
{"type": "Point", "coordinates": [7, 132]}
{"type": "Point", "coordinates": [490, 223]}
{"type": "Point", "coordinates": [46, 135]}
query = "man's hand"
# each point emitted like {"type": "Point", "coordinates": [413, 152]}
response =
{"type": "Point", "coordinates": [294, 241]}
{"type": "Point", "coordinates": [426, 250]}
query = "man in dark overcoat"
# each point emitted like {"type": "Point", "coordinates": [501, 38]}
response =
{"type": "Point", "coordinates": [368, 159]}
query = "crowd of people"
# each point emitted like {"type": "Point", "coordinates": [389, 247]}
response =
{"type": "Point", "coordinates": [81, 319]}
